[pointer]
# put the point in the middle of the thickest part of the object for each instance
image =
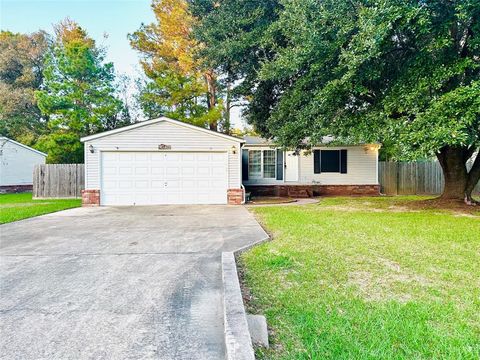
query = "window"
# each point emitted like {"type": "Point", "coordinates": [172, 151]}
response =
{"type": "Point", "coordinates": [330, 161]}
{"type": "Point", "coordinates": [255, 163]}
{"type": "Point", "coordinates": [269, 164]}
{"type": "Point", "coordinates": [262, 164]}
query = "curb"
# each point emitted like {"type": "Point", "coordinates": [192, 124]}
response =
{"type": "Point", "coordinates": [237, 336]}
{"type": "Point", "coordinates": [238, 340]}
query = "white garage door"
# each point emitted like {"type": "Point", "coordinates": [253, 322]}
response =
{"type": "Point", "coordinates": [150, 178]}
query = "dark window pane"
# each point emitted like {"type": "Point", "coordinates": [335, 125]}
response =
{"type": "Point", "coordinates": [330, 161]}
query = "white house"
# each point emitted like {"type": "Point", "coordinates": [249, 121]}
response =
{"type": "Point", "coordinates": [16, 165]}
{"type": "Point", "coordinates": [165, 161]}
{"type": "Point", "coordinates": [322, 170]}
{"type": "Point", "coordinates": [162, 161]}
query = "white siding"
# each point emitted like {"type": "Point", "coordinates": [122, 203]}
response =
{"type": "Point", "coordinates": [17, 163]}
{"type": "Point", "coordinates": [148, 137]}
{"type": "Point", "coordinates": [361, 169]}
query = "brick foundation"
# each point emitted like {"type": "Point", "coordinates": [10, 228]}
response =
{"type": "Point", "coordinates": [234, 196]}
{"type": "Point", "coordinates": [8, 189]}
{"type": "Point", "coordinates": [90, 197]}
{"type": "Point", "coordinates": [306, 191]}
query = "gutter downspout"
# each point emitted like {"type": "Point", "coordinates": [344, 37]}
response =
{"type": "Point", "coordinates": [241, 175]}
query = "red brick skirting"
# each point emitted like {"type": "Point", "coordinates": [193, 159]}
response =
{"type": "Point", "coordinates": [90, 197]}
{"type": "Point", "coordinates": [234, 196]}
{"type": "Point", "coordinates": [15, 188]}
{"type": "Point", "coordinates": [305, 191]}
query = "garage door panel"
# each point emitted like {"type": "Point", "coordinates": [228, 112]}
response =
{"type": "Point", "coordinates": [163, 178]}
{"type": "Point", "coordinates": [125, 156]}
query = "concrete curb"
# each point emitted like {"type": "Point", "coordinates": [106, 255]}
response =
{"type": "Point", "coordinates": [237, 336]}
{"type": "Point", "coordinates": [238, 340]}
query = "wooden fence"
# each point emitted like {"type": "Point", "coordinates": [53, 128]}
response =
{"type": "Point", "coordinates": [412, 178]}
{"type": "Point", "coordinates": [58, 180]}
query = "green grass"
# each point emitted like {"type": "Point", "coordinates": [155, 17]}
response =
{"type": "Point", "coordinates": [367, 278]}
{"type": "Point", "coordinates": [15, 207]}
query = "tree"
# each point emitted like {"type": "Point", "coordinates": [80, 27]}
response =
{"type": "Point", "coordinates": [231, 34]}
{"type": "Point", "coordinates": [403, 72]}
{"type": "Point", "coordinates": [21, 66]}
{"type": "Point", "coordinates": [78, 93]}
{"type": "Point", "coordinates": [177, 85]}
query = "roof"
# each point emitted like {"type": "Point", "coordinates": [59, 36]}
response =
{"type": "Point", "coordinates": [259, 141]}
{"type": "Point", "coordinates": [256, 140]}
{"type": "Point", "coordinates": [2, 138]}
{"type": "Point", "coordinates": [155, 121]}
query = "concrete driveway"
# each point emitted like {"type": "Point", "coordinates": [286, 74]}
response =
{"type": "Point", "coordinates": [118, 282]}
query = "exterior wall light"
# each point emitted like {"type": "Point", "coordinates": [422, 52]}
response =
{"type": "Point", "coordinates": [371, 147]}
{"type": "Point", "coordinates": [90, 148]}
{"type": "Point", "coordinates": [233, 149]}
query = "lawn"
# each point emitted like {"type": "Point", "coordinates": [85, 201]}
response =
{"type": "Point", "coordinates": [367, 278]}
{"type": "Point", "coordinates": [15, 207]}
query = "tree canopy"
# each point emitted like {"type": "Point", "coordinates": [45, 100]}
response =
{"type": "Point", "coordinates": [21, 73]}
{"type": "Point", "coordinates": [402, 72]}
{"type": "Point", "coordinates": [77, 94]}
{"type": "Point", "coordinates": [177, 84]}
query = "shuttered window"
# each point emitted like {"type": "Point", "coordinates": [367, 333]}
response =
{"type": "Point", "coordinates": [330, 161]}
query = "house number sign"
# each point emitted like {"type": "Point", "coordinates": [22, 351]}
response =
{"type": "Point", "coordinates": [164, 147]}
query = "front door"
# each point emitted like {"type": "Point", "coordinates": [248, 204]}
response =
{"type": "Point", "coordinates": [291, 166]}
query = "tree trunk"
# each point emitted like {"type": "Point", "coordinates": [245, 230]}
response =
{"type": "Point", "coordinates": [227, 124]}
{"type": "Point", "coordinates": [459, 182]}
{"type": "Point", "coordinates": [211, 95]}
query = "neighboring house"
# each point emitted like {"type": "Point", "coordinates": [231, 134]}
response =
{"type": "Point", "coordinates": [165, 161]}
{"type": "Point", "coordinates": [16, 165]}
{"type": "Point", "coordinates": [323, 170]}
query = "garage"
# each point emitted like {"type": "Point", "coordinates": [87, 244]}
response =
{"type": "Point", "coordinates": [160, 162]}
{"type": "Point", "coordinates": [152, 178]}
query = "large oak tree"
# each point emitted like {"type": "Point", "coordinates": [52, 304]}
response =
{"type": "Point", "coordinates": [399, 71]}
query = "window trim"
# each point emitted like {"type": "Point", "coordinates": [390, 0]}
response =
{"type": "Point", "coordinates": [323, 163]}
{"type": "Point", "coordinates": [274, 164]}
{"type": "Point", "coordinates": [342, 160]}
{"type": "Point", "coordinates": [251, 174]}
{"type": "Point", "coordinates": [261, 175]}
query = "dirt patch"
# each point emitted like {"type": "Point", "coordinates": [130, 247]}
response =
{"type": "Point", "coordinates": [457, 207]}
{"type": "Point", "coordinates": [381, 286]}
{"type": "Point", "coordinates": [270, 200]}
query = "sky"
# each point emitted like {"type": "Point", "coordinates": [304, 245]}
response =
{"type": "Point", "coordinates": [116, 18]}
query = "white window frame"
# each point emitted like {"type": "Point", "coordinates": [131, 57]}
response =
{"type": "Point", "coordinates": [261, 175]}
{"type": "Point", "coordinates": [274, 164]}
{"type": "Point", "coordinates": [256, 175]}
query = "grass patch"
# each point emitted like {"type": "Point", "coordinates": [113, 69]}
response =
{"type": "Point", "coordinates": [15, 207]}
{"type": "Point", "coordinates": [368, 278]}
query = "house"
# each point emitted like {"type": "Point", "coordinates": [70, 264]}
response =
{"type": "Point", "coordinates": [16, 165]}
{"type": "Point", "coordinates": [324, 170]}
{"type": "Point", "coordinates": [165, 161]}
{"type": "Point", "coordinates": [162, 161]}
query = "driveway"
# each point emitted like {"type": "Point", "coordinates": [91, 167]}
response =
{"type": "Point", "coordinates": [118, 282]}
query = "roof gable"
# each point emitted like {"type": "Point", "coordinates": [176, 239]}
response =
{"type": "Point", "coordinates": [5, 139]}
{"type": "Point", "coordinates": [154, 121]}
